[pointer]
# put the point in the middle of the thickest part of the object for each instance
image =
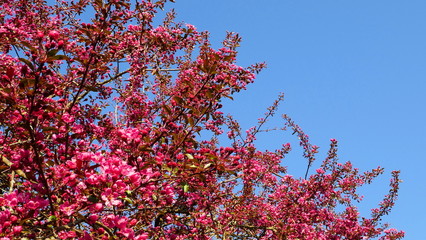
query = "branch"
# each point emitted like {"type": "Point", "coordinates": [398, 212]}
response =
{"type": "Point", "coordinates": [9, 163]}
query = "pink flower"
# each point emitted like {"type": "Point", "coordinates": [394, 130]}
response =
{"type": "Point", "coordinates": [142, 236]}
{"type": "Point", "coordinates": [110, 198]}
{"type": "Point", "coordinates": [66, 235]}
{"type": "Point", "coordinates": [54, 34]}
{"type": "Point", "coordinates": [15, 117]}
{"type": "Point", "coordinates": [17, 229]}
{"type": "Point", "coordinates": [93, 218]}
{"type": "Point", "coordinates": [127, 232]}
{"type": "Point", "coordinates": [122, 222]}
{"type": "Point", "coordinates": [32, 205]}
{"type": "Point", "coordinates": [40, 34]}
{"type": "Point", "coordinates": [67, 208]}
{"type": "Point", "coordinates": [98, 206]}
{"type": "Point", "coordinates": [67, 118]}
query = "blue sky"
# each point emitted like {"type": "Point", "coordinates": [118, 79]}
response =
{"type": "Point", "coordinates": [350, 70]}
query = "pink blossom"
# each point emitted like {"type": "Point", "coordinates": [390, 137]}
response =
{"type": "Point", "coordinates": [98, 206]}
{"type": "Point", "coordinates": [143, 236]}
{"type": "Point", "coordinates": [110, 198]}
{"type": "Point", "coordinates": [67, 234]}
{"type": "Point", "coordinates": [67, 118]}
{"type": "Point", "coordinates": [67, 208]}
{"type": "Point", "coordinates": [17, 229]}
{"type": "Point", "coordinates": [54, 34]}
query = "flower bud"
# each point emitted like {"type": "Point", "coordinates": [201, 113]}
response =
{"type": "Point", "coordinates": [40, 34]}
{"type": "Point", "coordinates": [54, 34]}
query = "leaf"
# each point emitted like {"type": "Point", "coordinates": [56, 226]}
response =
{"type": "Point", "coordinates": [210, 156]}
{"type": "Point", "coordinates": [27, 62]}
{"type": "Point", "coordinates": [229, 57]}
{"type": "Point", "coordinates": [6, 90]}
{"type": "Point", "coordinates": [178, 99]}
{"type": "Point", "coordinates": [168, 110]}
{"type": "Point", "coordinates": [128, 200]}
{"type": "Point", "coordinates": [51, 109]}
{"type": "Point", "coordinates": [50, 129]}
{"type": "Point", "coordinates": [28, 45]}
{"type": "Point", "coordinates": [209, 93]}
{"type": "Point", "coordinates": [92, 88]}
{"type": "Point", "coordinates": [60, 57]}
{"type": "Point", "coordinates": [216, 56]}
{"type": "Point", "coordinates": [189, 156]}
{"type": "Point", "coordinates": [51, 218]}
{"type": "Point", "coordinates": [120, 3]}
{"type": "Point", "coordinates": [191, 121]}
{"type": "Point", "coordinates": [50, 163]}
{"type": "Point", "coordinates": [129, 193]}
{"type": "Point", "coordinates": [92, 198]}
{"type": "Point", "coordinates": [185, 187]}
{"type": "Point", "coordinates": [99, 3]}
{"type": "Point", "coordinates": [27, 82]}
{"type": "Point", "coordinates": [52, 53]}
{"type": "Point", "coordinates": [201, 67]}
{"type": "Point", "coordinates": [145, 149]}
{"type": "Point", "coordinates": [227, 96]}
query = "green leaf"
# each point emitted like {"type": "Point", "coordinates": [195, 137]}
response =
{"type": "Point", "coordinates": [51, 218]}
{"type": "Point", "coordinates": [185, 187]}
{"type": "Point", "coordinates": [130, 201]}
{"type": "Point", "coordinates": [189, 156]}
{"type": "Point", "coordinates": [92, 198]}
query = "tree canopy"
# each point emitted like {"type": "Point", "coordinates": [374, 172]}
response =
{"type": "Point", "coordinates": [110, 128]}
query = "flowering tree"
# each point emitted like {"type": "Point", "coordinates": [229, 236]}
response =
{"type": "Point", "coordinates": [103, 126]}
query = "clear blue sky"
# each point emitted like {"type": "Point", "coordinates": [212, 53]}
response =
{"type": "Point", "coordinates": [350, 70]}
